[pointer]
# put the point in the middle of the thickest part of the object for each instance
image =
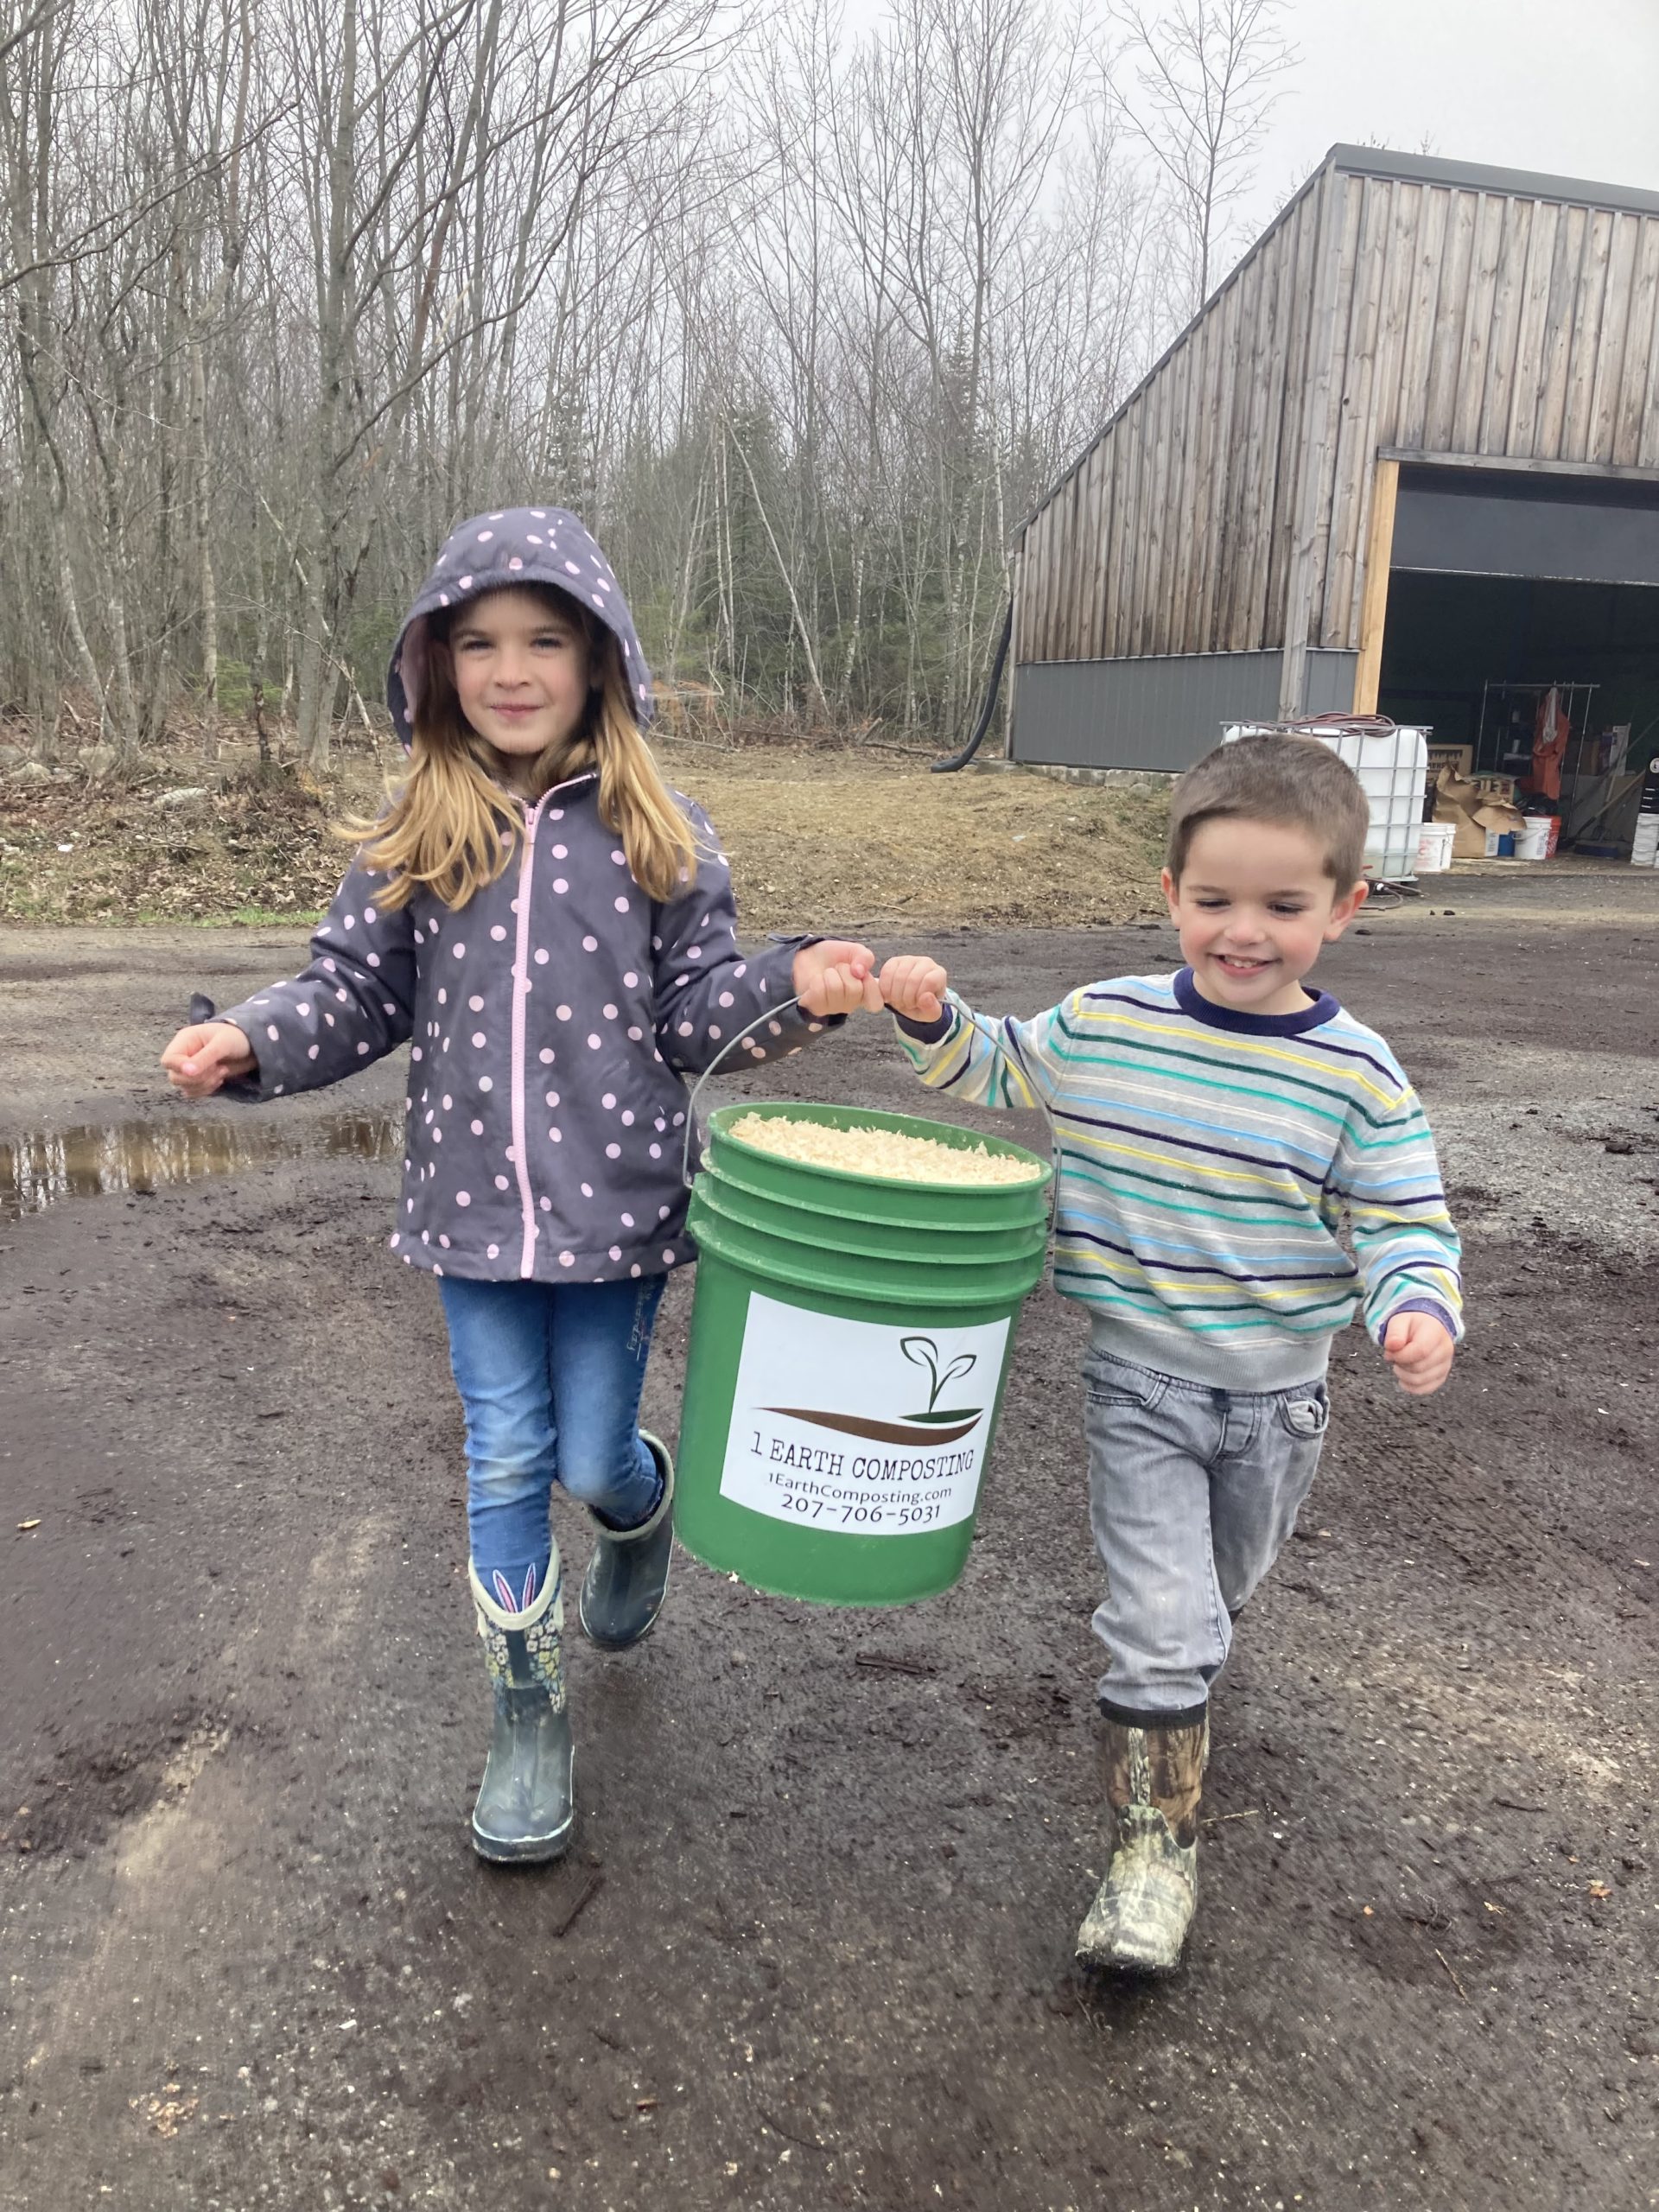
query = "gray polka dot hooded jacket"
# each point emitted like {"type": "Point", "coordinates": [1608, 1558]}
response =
{"type": "Point", "coordinates": [552, 1018]}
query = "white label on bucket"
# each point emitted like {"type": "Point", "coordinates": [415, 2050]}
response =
{"type": "Point", "coordinates": [848, 1425]}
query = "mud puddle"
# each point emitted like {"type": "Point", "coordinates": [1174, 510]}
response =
{"type": "Point", "coordinates": [143, 1157]}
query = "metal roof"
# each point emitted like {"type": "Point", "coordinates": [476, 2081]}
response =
{"type": "Point", "coordinates": [1476, 176]}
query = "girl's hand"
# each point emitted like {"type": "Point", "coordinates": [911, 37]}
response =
{"type": "Point", "coordinates": [207, 1055]}
{"type": "Point", "coordinates": [1420, 1350]}
{"type": "Point", "coordinates": [837, 976]}
{"type": "Point", "coordinates": [915, 986]}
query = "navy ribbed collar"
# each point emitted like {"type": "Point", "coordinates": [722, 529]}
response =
{"type": "Point", "coordinates": [1192, 1001]}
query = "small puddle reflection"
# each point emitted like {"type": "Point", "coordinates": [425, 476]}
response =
{"type": "Point", "coordinates": [143, 1157]}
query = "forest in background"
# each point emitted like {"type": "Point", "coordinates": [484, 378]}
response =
{"type": "Point", "coordinates": [801, 318]}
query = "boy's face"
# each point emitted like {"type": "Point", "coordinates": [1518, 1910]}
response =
{"type": "Point", "coordinates": [1254, 904]}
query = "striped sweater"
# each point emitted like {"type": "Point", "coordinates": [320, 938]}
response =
{"type": "Point", "coordinates": [1205, 1161]}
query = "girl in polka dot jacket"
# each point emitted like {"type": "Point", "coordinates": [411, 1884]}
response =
{"type": "Point", "coordinates": [551, 931]}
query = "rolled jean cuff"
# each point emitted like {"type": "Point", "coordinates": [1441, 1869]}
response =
{"type": "Point", "coordinates": [1186, 1716]}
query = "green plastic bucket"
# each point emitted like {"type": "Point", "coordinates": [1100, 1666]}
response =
{"type": "Point", "coordinates": [851, 1339]}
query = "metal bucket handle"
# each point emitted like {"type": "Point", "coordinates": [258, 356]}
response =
{"type": "Point", "coordinates": [770, 1014]}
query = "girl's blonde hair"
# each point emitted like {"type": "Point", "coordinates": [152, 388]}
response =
{"type": "Point", "coordinates": [451, 827]}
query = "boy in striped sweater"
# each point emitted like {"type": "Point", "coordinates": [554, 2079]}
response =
{"type": "Point", "coordinates": [1211, 1130]}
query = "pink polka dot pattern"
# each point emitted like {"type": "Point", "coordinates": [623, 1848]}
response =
{"type": "Point", "coordinates": [506, 1177]}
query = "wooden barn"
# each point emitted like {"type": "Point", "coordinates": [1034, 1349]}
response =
{"type": "Point", "coordinates": [1406, 458]}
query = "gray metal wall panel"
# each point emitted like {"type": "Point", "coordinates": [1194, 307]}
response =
{"type": "Point", "coordinates": [1158, 713]}
{"type": "Point", "coordinates": [1330, 683]}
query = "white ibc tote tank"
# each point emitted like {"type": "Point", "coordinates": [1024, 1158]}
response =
{"type": "Point", "coordinates": [1390, 760]}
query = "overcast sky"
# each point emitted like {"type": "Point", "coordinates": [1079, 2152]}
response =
{"type": "Point", "coordinates": [1569, 86]}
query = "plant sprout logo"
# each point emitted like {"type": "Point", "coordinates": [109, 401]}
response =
{"type": "Point", "coordinates": [935, 1426]}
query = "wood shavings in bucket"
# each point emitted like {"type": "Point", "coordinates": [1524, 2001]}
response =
{"type": "Point", "coordinates": [887, 1154]}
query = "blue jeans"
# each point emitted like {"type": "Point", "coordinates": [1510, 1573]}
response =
{"type": "Point", "coordinates": [549, 1377]}
{"type": "Point", "coordinates": [1192, 1493]}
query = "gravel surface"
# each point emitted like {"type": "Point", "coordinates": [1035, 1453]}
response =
{"type": "Point", "coordinates": [812, 1948]}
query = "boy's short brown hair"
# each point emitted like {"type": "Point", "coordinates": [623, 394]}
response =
{"type": "Point", "coordinates": [1294, 782]}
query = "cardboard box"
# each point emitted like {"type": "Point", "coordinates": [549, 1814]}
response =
{"type": "Point", "coordinates": [1477, 818]}
{"type": "Point", "coordinates": [1498, 822]}
{"type": "Point", "coordinates": [1459, 758]}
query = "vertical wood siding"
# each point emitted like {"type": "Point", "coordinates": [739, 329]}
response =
{"type": "Point", "coordinates": [1378, 313]}
{"type": "Point", "coordinates": [1166, 536]}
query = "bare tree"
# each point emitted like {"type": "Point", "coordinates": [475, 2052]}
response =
{"type": "Point", "coordinates": [1208, 74]}
{"type": "Point", "coordinates": [801, 319]}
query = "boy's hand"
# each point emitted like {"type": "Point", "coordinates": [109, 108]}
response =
{"type": "Point", "coordinates": [915, 986]}
{"type": "Point", "coordinates": [1419, 1349]}
{"type": "Point", "coordinates": [837, 976]}
{"type": "Point", "coordinates": [206, 1055]}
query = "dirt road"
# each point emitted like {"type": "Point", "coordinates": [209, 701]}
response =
{"type": "Point", "coordinates": [813, 1947]}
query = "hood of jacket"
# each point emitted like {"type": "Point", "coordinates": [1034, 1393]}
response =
{"type": "Point", "coordinates": [495, 552]}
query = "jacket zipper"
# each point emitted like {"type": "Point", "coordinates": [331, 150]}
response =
{"type": "Point", "coordinates": [520, 994]}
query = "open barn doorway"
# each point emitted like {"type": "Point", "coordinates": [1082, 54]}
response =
{"type": "Point", "coordinates": [1550, 680]}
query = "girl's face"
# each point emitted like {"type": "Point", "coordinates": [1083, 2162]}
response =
{"type": "Point", "coordinates": [521, 673]}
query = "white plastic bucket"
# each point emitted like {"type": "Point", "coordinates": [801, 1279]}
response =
{"type": "Point", "coordinates": [1392, 765]}
{"type": "Point", "coordinates": [1532, 844]}
{"type": "Point", "coordinates": [1434, 842]}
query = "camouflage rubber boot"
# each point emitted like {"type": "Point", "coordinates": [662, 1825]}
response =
{"type": "Point", "coordinates": [1155, 1782]}
{"type": "Point", "coordinates": [627, 1580]}
{"type": "Point", "coordinates": [525, 1806]}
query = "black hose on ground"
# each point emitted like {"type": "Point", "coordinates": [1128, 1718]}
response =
{"type": "Point", "coordinates": [993, 686]}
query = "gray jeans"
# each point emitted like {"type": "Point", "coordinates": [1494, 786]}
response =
{"type": "Point", "coordinates": [1192, 1491]}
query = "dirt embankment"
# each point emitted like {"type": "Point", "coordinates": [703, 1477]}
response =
{"type": "Point", "coordinates": [817, 837]}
